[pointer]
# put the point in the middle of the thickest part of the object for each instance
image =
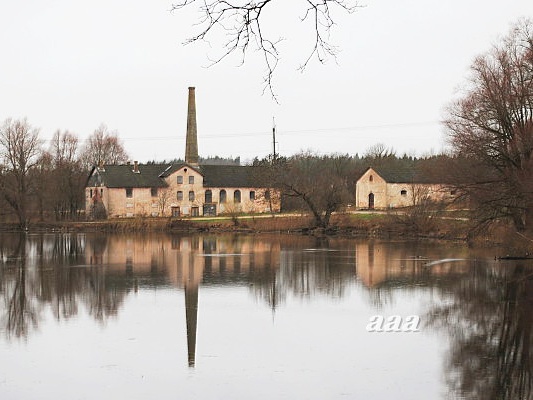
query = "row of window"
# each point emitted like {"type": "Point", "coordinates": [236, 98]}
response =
{"type": "Point", "coordinates": [208, 195]}
{"type": "Point", "coordinates": [222, 196]}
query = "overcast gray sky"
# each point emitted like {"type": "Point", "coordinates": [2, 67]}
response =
{"type": "Point", "coordinates": [73, 65]}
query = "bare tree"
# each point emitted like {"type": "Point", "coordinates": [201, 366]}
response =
{"type": "Point", "coordinates": [103, 147]}
{"type": "Point", "coordinates": [20, 148]}
{"type": "Point", "coordinates": [319, 181]}
{"type": "Point", "coordinates": [68, 174]}
{"type": "Point", "coordinates": [242, 22]}
{"type": "Point", "coordinates": [163, 199]}
{"type": "Point", "coordinates": [423, 212]}
{"type": "Point", "coordinates": [379, 151]}
{"type": "Point", "coordinates": [491, 125]}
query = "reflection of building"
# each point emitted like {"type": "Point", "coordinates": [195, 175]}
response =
{"type": "Point", "coordinates": [381, 262]}
{"type": "Point", "coordinates": [396, 188]}
{"type": "Point", "coordinates": [185, 261]}
{"type": "Point", "coordinates": [188, 188]}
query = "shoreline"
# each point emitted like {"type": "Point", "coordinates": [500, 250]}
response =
{"type": "Point", "coordinates": [361, 224]}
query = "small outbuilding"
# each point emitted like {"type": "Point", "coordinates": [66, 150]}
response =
{"type": "Point", "coordinates": [394, 188]}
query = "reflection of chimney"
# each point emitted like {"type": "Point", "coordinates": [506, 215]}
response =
{"type": "Point", "coordinates": [191, 145]}
{"type": "Point", "coordinates": [191, 315]}
{"type": "Point", "coordinates": [136, 167]}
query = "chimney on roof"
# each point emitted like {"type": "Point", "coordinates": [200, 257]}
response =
{"type": "Point", "coordinates": [191, 143]}
{"type": "Point", "coordinates": [136, 167]}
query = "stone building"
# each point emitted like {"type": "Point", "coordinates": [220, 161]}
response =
{"type": "Point", "coordinates": [384, 189]}
{"type": "Point", "coordinates": [184, 189]}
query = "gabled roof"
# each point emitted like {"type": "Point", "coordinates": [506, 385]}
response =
{"type": "Point", "coordinates": [401, 175]}
{"type": "Point", "coordinates": [152, 175]}
{"type": "Point", "coordinates": [169, 169]}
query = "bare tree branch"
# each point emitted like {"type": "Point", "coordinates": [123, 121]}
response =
{"type": "Point", "coordinates": [242, 22]}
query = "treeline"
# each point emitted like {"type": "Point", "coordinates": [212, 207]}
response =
{"type": "Point", "coordinates": [47, 182]}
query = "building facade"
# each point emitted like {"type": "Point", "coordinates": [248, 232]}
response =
{"type": "Point", "coordinates": [395, 189]}
{"type": "Point", "coordinates": [184, 189]}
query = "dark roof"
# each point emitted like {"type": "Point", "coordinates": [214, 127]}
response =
{"type": "Point", "coordinates": [119, 176]}
{"type": "Point", "coordinates": [231, 176]}
{"type": "Point", "coordinates": [152, 175]}
{"type": "Point", "coordinates": [402, 175]}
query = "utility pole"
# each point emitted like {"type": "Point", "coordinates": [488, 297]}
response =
{"type": "Point", "coordinates": [273, 139]}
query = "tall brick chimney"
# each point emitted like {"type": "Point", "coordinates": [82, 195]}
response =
{"type": "Point", "coordinates": [191, 144]}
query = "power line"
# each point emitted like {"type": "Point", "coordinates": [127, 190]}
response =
{"type": "Point", "coordinates": [283, 133]}
{"type": "Point", "coordinates": [293, 132]}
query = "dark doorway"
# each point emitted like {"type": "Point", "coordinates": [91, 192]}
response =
{"type": "Point", "coordinates": [371, 201]}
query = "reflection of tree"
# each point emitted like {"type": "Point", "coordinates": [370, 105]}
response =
{"type": "Point", "coordinates": [491, 324]}
{"type": "Point", "coordinates": [21, 312]}
{"type": "Point", "coordinates": [326, 267]}
{"type": "Point", "coordinates": [59, 280]}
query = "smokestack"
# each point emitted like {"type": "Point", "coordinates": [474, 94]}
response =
{"type": "Point", "coordinates": [191, 144]}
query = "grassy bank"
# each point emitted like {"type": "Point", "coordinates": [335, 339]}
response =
{"type": "Point", "coordinates": [350, 224]}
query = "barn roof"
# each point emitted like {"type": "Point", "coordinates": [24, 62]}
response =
{"type": "Point", "coordinates": [401, 175]}
{"type": "Point", "coordinates": [152, 175]}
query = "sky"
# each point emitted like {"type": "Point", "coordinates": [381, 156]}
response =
{"type": "Point", "coordinates": [73, 65]}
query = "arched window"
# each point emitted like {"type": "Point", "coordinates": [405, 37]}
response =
{"type": "Point", "coordinates": [371, 178]}
{"type": "Point", "coordinates": [208, 196]}
{"type": "Point", "coordinates": [252, 195]}
{"type": "Point", "coordinates": [222, 196]}
{"type": "Point", "coordinates": [237, 196]}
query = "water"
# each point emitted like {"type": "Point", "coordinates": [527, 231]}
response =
{"type": "Point", "coordinates": [86, 316]}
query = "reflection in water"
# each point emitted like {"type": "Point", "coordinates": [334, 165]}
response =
{"type": "Point", "coordinates": [490, 321]}
{"type": "Point", "coordinates": [485, 308]}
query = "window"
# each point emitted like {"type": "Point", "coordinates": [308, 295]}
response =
{"type": "Point", "coordinates": [175, 213]}
{"type": "Point", "coordinates": [153, 192]}
{"type": "Point", "coordinates": [91, 193]}
{"type": "Point", "coordinates": [237, 196]}
{"type": "Point", "coordinates": [252, 194]}
{"type": "Point", "coordinates": [180, 195]}
{"type": "Point", "coordinates": [179, 180]}
{"type": "Point", "coordinates": [210, 209]}
{"type": "Point", "coordinates": [208, 196]}
{"type": "Point", "coordinates": [191, 196]}
{"type": "Point", "coordinates": [195, 212]}
{"type": "Point", "coordinates": [371, 178]}
{"type": "Point", "coordinates": [191, 179]}
{"type": "Point", "coordinates": [101, 192]}
{"type": "Point", "coordinates": [267, 194]}
{"type": "Point", "coordinates": [129, 192]}
{"type": "Point", "coordinates": [222, 196]}
{"type": "Point", "coordinates": [403, 192]}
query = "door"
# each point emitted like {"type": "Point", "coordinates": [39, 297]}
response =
{"type": "Point", "coordinates": [371, 201]}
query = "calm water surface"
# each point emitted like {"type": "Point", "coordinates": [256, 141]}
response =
{"type": "Point", "coordinates": [92, 316]}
